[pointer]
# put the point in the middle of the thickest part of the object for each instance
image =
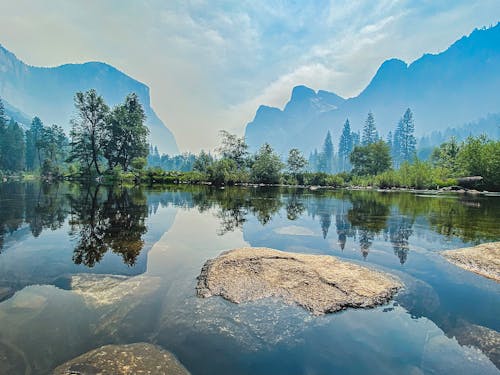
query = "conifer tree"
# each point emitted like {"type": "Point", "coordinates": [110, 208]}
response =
{"type": "Point", "coordinates": [326, 157]}
{"type": "Point", "coordinates": [345, 145]}
{"type": "Point", "coordinates": [407, 138]}
{"type": "Point", "coordinates": [370, 134]}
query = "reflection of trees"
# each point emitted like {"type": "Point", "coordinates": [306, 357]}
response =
{"type": "Point", "coordinates": [11, 209]}
{"type": "Point", "coordinates": [294, 205]}
{"type": "Point", "coordinates": [46, 207]}
{"type": "Point", "coordinates": [105, 220]}
{"type": "Point", "coordinates": [343, 226]}
{"type": "Point", "coordinates": [233, 205]}
{"type": "Point", "coordinates": [400, 230]}
{"type": "Point", "coordinates": [368, 215]}
{"type": "Point", "coordinates": [325, 220]}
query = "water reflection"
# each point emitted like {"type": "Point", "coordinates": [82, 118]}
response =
{"type": "Point", "coordinates": [46, 229]}
{"type": "Point", "coordinates": [113, 219]}
{"type": "Point", "coordinates": [107, 220]}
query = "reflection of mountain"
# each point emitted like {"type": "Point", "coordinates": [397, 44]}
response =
{"type": "Point", "coordinates": [111, 231]}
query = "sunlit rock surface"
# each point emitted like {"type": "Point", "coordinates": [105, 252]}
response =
{"type": "Point", "coordinates": [103, 290]}
{"type": "Point", "coordinates": [482, 259]}
{"type": "Point", "coordinates": [140, 358]}
{"type": "Point", "coordinates": [319, 283]}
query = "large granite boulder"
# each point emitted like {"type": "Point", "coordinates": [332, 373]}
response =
{"type": "Point", "coordinates": [482, 259]}
{"type": "Point", "coordinates": [319, 283]}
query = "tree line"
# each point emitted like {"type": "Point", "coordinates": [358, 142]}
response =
{"type": "Point", "coordinates": [400, 147]}
{"type": "Point", "coordinates": [101, 140]}
{"type": "Point", "coordinates": [112, 142]}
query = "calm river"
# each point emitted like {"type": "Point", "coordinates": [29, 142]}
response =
{"type": "Point", "coordinates": [134, 255]}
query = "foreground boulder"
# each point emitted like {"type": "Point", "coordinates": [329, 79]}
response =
{"type": "Point", "coordinates": [319, 283]}
{"type": "Point", "coordinates": [132, 359]}
{"type": "Point", "coordinates": [482, 259]}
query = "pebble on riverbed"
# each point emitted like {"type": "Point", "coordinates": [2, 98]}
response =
{"type": "Point", "coordinates": [319, 283]}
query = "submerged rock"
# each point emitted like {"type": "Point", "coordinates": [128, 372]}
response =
{"type": "Point", "coordinates": [482, 259]}
{"type": "Point", "coordinates": [319, 283]}
{"type": "Point", "coordinates": [103, 290]}
{"type": "Point", "coordinates": [140, 358]}
{"type": "Point", "coordinates": [485, 339]}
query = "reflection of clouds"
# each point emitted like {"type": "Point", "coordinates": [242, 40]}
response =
{"type": "Point", "coordinates": [294, 230]}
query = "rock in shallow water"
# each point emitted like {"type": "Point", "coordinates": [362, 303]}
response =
{"type": "Point", "coordinates": [482, 259]}
{"type": "Point", "coordinates": [132, 359]}
{"type": "Point", "coordinates": [319, 283]}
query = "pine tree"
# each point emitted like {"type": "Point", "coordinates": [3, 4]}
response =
{"type": "Point", "coordinates": [396, 145]}
{"type": "Point", "coordinates": [407, 138]}
{"type": "Point", "coordinates": [13, 147]}
{"type": "Point", "coordinates": [3, 129]}
{"type": "Point", "coordinates": [326, 157]}
{"type": "Point", "coordinates": [345, 145]}
{"type": "Point", "coordinates": [356, 139]}
{"type": "Point", "coordinates": [370, 134]}
{"type": "Point", "coordinates": [33, 139]}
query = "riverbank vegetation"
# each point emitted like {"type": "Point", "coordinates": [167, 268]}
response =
{"type": "Point", "coordinates": [110, 145]}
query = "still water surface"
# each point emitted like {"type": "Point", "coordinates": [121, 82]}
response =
{"type": "Point", "coordinates": [134, 255]}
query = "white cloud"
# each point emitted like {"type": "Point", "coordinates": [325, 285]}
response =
{"type": "Point", "coordinates": [210, 64]}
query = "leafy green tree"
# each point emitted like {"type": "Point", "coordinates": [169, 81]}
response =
{"type": "Point", "coordinates": [296, 162]}
{"type": "Point", "coordinates": [371, 159]}
{"type": "Point", "coordinates": [480, 156]}
{"type": "Point", "coordinates": [224, 172]}
{"type": "Point", "coordinates": [88, 133]}
{"type": "Point", "coordinates": [202, 162]}
{"type": "Point", "coordinates": [125, 133]}
{"type": "Point", "coordinates": [234, 148]}
{"type": "Point", "coordinates": [345, 145]}
{"type": "Point", "coordinates": [446, 156]}
{"type": "Point", "coordinates": [267, 166]}
{"type": "Point", "coordinates": [370, 134]}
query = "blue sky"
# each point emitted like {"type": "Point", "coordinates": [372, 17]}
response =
{"type": "Point", "coordinates": [209, 64]}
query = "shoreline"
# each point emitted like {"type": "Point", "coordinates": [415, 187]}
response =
{"type": "Point", "coordinates": [130, 182]}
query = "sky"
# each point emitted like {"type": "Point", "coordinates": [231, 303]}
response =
{"type": "Point", "coordinates": [210, 64]}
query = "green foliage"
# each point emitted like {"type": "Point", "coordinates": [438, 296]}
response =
{"type": "Point", "coordinates": [226, 172]}
{"type": "Point", "coordinates": [479, 156]}
{"type": "Point", "coordinates": [296, 163]}
{"type": "Point", "coordinates": [202, 162]}
{"type": "Point", "coordinates": [446, 155]}
{"type": "Point", "coordinates": [371, 159]}
{"type": "Point", "coordinates": [267, 166]}
{"type": "Point", "coordinates": [126, 134]}
{"type": "Point", "coordinates": [233, 148]}
{"type": "Point", "coordinates": [88, 133]}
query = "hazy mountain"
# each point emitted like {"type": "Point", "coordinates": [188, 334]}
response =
{"type": "Point", "coordinates": [16, 114]}
{"type": "Point", "coordinates": [48, 92]}
{"type": "Point", "coordinates": [449, 89]}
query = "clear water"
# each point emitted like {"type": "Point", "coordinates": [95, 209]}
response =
{"type": "Point", "coordinates": [446, 321]}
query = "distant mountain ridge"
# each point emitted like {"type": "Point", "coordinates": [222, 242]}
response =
{"type": "Point", "coordinates": [457, 86]}
{"type": "Point", "coordinates": [48, 92]}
